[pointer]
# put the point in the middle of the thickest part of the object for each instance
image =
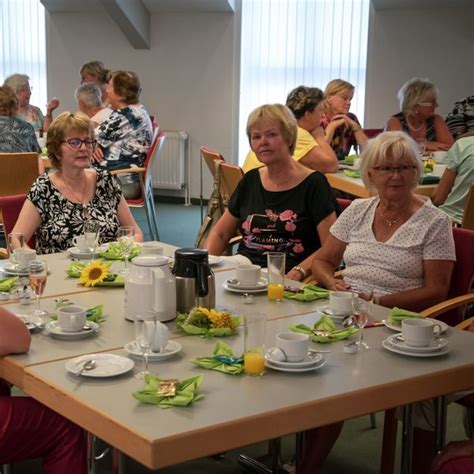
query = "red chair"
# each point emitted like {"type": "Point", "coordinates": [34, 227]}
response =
{"type": "Point", "coordinates": [372, 132]}
{"type": "Point", "coordinates": [343, 203]}
{"type": "Point", "coordinates": [10, 207]}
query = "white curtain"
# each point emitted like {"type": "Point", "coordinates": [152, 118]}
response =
{"type": "Point", "coordinates": [287, 43]}
{"type": "Point", "coordinates": [23, 45]}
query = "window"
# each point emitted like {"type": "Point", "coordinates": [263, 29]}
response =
{"type": "Point", "coordinates": [23, 45]}
{"type": "Point", "coordinates": [287, 43]}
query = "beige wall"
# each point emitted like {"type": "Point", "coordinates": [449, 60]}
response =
{"type": "Point", "coordinates": [434, 43]}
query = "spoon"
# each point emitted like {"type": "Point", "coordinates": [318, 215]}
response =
{"type": "Point", "coordinates": [88, 365]}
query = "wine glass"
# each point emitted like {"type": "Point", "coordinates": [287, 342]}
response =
{"type": "Point", "coordinates": [38, 273]}
{"type": "Point", "coordinates": [421, 144]}
{"type": "Point", "coordinates": [145, 327]}
{"type": "Point", "coordinates": [91, 234]}
{"type": "Point", "coordinates": [126, 239]}
{"type": "Point", "coordinates": [362, 308]}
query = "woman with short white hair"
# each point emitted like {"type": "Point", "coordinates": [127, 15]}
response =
{"type": "Point", "coordinates": [89, 101]}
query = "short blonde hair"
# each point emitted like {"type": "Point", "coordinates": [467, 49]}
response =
{"type": "Point", "coordinates": [17, 81]}
{"type": "Point", "coordinates": [398, 145]}
{"type": "Point", "coordinates": [275, 114]}
{"type": "Point", "coordinates": [8, 101]}
{"type": "Point", "coordinates": [415, 91]}
{"type": "Point", "coordinates": [337, 85]}
{"type": "Point", "coordinates": [60, 127]}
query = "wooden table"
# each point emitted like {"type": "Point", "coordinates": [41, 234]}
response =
{"type": "Point", "coordinates": [356, 187]}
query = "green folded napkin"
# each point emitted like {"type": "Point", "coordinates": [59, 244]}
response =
{"type": "Point", "coordinates": [199, 322]}
{"type": "Point", "coordinates": [222, 360]}
{"type": "Point", "coordinates": [429, 179]}
{"type": "Point", "coordinates": [352, 174]}
{"type": "Point", "coordinates": [6, 284]}
{"type": "Point", "coordinates": [95, 314]}
{"type": "Point", "coordinates": [112, 280]}
{"type": "Point", "coordinates": [186, 392]}
{"type": "Point", "coordinates": [350, 159]}
{"type": "Point", "coordinates": [324, 331]}
{"type": "Point", "coordinates": [308, 293]}
{"type": "Point", "coordinates": [397, 315]}
{"type": "Point", "coordinates": [114, 252]}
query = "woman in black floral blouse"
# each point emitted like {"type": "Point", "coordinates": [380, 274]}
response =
{"type": "Point", "coordinates": [59, 203]}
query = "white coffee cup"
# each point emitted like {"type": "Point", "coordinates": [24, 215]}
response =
{"type": "Point", "coordinates": [72, 318]}
{"type": "Point", "coordinates": [248, 274]}
{"type": "Point", "coordinates": [294, 345]}
{"type": "Point", "coordinates": [419, 332]}
{"type": "Point", "coordinates": [160, 338]}
{"type": "Point", "coordinates": [439, 156]}
{"type": "Point", "coordinates": [340, 303]}
{"type": "Point", "coordinates": [81, 243]}
{"type": "Point", "coordinates": [151, 248]}
{"type": "Point", "coordinates": [23, 256]}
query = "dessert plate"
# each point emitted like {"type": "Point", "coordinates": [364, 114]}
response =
{"type": "Point", "coordinates": [74, 252]}
{"type": "Point", "coordinates": [241, 291]}
{"type": "Point", "coordinates": [106, 365]}
{"type": "Point", "coordinates": [273, 366]}
{"type": "Point", "coordinates": [327, 311]}
{"type": "Point", "coordinates": [392, 348]}
{"type": "Point", "coordinates": [55, 330]}
{"type": "Point", "coordinates": [437, 344]}
{"type": "Point", "coordinates": [236, 285]}
{"type": "Point", "coordinates": [170, 350]}
{"type": "Point", "coordinates": [310, 360]}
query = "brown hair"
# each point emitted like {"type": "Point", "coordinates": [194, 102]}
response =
{"type": "Point", "coordinates": [96, 69]}
{"type": "Point", "coordinates": [60, 127]}
{"type": "Point", "coordinates": [8, 101]}
{"type": "Point", "coordinates": [303, 99]}
{"type": "Point", "coordinates": [127, 85]}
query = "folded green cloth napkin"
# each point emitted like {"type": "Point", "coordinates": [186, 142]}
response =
{"type": "Point", "coordinates": [429, 179]}
{"type": "Point", "coordinates": [324, 331]}
{"type": "Point", "coordinates": [186, 392]}
{"type": "Point", "coordinates": [112, 280]}
{"type": "Point", "coordinates": [349, 160]}
{"type": "Point", "coordinates": [352, 174]}
{"type": "Point", "coordinates": [397, 315]}
{"type": "Point", "coordinates": [114, 252]}
{"type": "Point", "coordinates": [222, 360]}
{"type": "Point", "coordinates": [6, 284]}
{"type": "Point", "coordinates": [309, 293]}
{"type": "Point", "coordinates": [196, 323]}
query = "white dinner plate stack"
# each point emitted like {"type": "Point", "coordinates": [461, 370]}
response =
{"type": "Point", "coordinates": [170, 350]}
{"type": "Point", "coordinates": [54, 329]}
{"type": "Point", "coordinates": [312, 361]}
{"type": "Point", "coordinates": [234, 286]}
{"type": "Point", "coordinates": [395, 343]}
{"type": "Point", "coordinates": [326, 311]}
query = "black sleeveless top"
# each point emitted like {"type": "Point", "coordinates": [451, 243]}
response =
{"type": "Point", "coordinates": [430, 128]}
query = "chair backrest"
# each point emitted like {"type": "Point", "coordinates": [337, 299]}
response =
{"type": "Point", "coordinates": [468, 216]}
{"type": "Point", "coordinates": [10, 207]}
{"type": "Point", "coordinates": [230, 177]}
{"type": "Point", "coordinates": [210, 157]}
{"type": "Point", "coordinates": [18, 172]}
{"type": "Point", "coordinates": [343, 203]}
{"type": "Point", "coordinates": [152, 156]}
{"type": "Point", "coordinates": [372, 132]}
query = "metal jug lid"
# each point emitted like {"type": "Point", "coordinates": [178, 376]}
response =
{"type": "Point", "coordinates": [197, 255]}
{"type": "Point", "coordinates": [150, 261]}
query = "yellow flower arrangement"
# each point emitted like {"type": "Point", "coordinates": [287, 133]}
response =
{"type": "Point", "coordinates": [95, 272]}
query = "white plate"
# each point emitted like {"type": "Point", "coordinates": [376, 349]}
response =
{"type": "Point", "coordinates": [107, 365]}
{"type": "Point", "coordinates": [10, 269]}
{"type": "Point", "coordinates": [214, 260]}
{"type": "Point", "coordinates": [308, 361]}
{"type": "Point", "coordinates": [74, 252]}
{"type": "Point", "coordinates": [170, 350]}
{"type": "Point", "coordinates": [397, 341]}
{"type": "Point", "coordinates": [390, 347]}
{"type": "Point", "coordinates": [54, 329]}
{"type": "Point", "coordinates": [398, 327]}
{"type": "Point", "coordinates": [326, 311]}
{"type": "Point", "coordinates": [31, 322]}
{"type": "Point", "coordinates": [238, 290]}
{"type": "Point", "coordinates": [273, 366]}
{"type": "Point", "coordinates": [236, 285]}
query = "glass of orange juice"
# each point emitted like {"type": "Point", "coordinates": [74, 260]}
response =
{"type": "Point", "coordinates": [254, 343]}
{"type": "Point", "coordinates": [276, 262]}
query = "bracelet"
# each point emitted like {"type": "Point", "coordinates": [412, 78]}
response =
{"type": "Point", "coordinates": [301, 270]}
{"type": "Point", "coordinates": [355, 130]}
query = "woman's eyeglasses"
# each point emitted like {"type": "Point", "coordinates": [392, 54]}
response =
{"type": "Point", "coordinates": [395, 169]}
{"type": "Point", "coordinates": [77, 142]}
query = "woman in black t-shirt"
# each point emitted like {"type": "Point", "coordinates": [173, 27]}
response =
{"type": "Point", "coordinates": [283, 206]}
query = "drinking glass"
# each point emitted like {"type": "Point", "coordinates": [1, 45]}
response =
{"type": "Point", "coordinates": [16, 240]}
{"type": "Point", "coordinates": [362, 309]}
{"type": "Point", "coordinates": [276, 262]}
{"type": "Point", "coordinates": [421, 144]}
{"type": "Point", "coordinates": [254, 343]}
{"type": "Point", "coordinates": [92, 234]}
{"type": "Point", "coordinates": [126, 240]}
{"type": "Point", "coordinates": [38, 273]}
{"type": "Point", "coordinates": [145, 327]}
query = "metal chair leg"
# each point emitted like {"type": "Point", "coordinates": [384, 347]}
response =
{"type": "Point", "coordinates": [6, 468]}
{"type": "Point", "coordinates": [274, 449]}
{"type": "Point", "coordinates": [407, 439]}
{"type": "Point", "coordinates": [118, 466]}
{"type": "Point", "coordinates": [440, 426]}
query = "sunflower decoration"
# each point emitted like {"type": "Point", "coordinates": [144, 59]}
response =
{"type": "Point", "coordinates": [94, 273]}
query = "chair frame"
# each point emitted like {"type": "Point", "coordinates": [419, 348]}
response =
{"type": "Point", "coordinates": [468, 214]}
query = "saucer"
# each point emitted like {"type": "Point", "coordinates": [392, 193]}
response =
{"type": "Point", "coordinates": [12, 269]}
{"type": "Point", "coordinates": [107, 365]}
{"type": "Point", "coordinates": [392, 348]}
{"type": "Point", "coordinates": [274, 366]}
{"type": "Point", "coordinates": [436, 345]}
{"type": "Point", "coordinates": [398, 327]}
{"type": "Point", "coordinates": [236, 285]}
{"type": "Point", "coordinates": [327, 311]}
{"type": "Point", "coordinates": [310, 360]}
{"type": "Point", "coordinates": [170, 350]}
{"type": "Point", "coordinates": [55, 330]}
{"type": "Point", "coordinates": [74, 252]}
{"type": "Point", "coordinates": [241, 290]}
{"type": "Point", "coordinates": [214, 260]}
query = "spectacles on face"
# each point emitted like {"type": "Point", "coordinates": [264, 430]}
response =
{"type": "Point", "coordinates": [77, 142]}
{"type": "Point", "coordinates": [428, 104]}
{"type": "Point", "coordinates": [388, 170]}
{"type": "Point", "coordinates": [25, 89]}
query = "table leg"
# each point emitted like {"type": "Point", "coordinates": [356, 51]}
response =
{"type": "Point", "coordinates": [440, 426]}
{"type": "Point", "coordinates": [407, 439]}
{"type": "Point", "coordinates": [299, 449]}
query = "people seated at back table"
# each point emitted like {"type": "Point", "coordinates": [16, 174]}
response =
{"type": "Point", "coordinates": [461, 120]}
{"type": "Point", "coordinates": [95, 71]}
{"type": "Point", "coordinates": [125, 137]}
{"type": "Point", "coordinates": [311, 149]}
{"type": "Point", "coordinates": [418, 101]}
{"type": "Point", "coordinates": [89, 101]}
{"type": "Point", "coordinates": [16, 135]}
{"type": "Point", "coordinates": [342, 128]}
{"type": "Point", "coordinates": [282, 206]}
{"type": "Point", "coordinates": [29, 430]}
{"type": "Point", "coordinates": [59, 203]}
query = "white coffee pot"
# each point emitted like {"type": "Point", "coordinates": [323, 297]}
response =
{"type": "Point", "coordinates": [150, 286]}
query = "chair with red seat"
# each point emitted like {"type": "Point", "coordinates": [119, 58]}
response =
{"type": "Point", "coordinates": [10, 207]}
{"type": "Point", "coordinates": [372, 132]}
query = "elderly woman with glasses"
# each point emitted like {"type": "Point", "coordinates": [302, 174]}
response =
{"type": "Point", "coordinates": [59, 203]}
{"type": "Point", "coordinates": [418, 101]}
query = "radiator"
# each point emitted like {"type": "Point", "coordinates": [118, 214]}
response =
{"type": "Point", "coordinates": [168, 171]}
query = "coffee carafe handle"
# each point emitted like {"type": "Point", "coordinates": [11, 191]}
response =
{"type": "Point", "coordinates": [202, 280]}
